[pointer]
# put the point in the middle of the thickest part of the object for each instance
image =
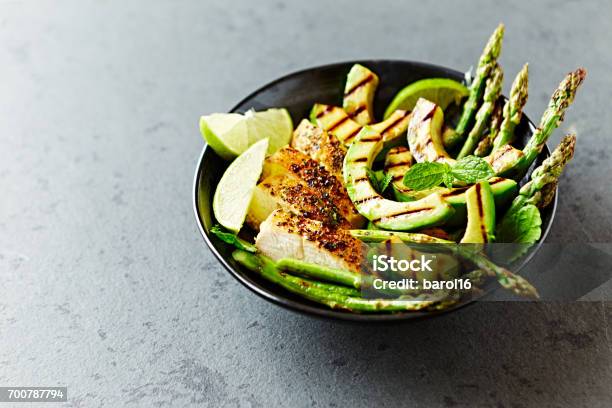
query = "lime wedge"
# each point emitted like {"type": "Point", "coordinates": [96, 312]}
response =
{"type": "Point", "coordinates": [230, 134]}
{"type": "Point", "coordinates": [235, 189]}
{"type": "Point", "coordinates": [441, 91]}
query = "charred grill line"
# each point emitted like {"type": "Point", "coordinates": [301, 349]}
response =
{"type": "Point", "coordinates": [404, 213]}
{"type": "Point", "coordinates": [359, 84]}
{"type": "Point", "coordinates": [394, 123]}
{"type": "Point", "coordinates": [481, 212]}
{"type": "Point", "coordinates": [396, 150]}
{"type": "Point", "coordinates": [455, 191]}
{"type": "Point", "coordinates": [390, 166]}
{"type": "Point", "coordinates": [369, 139]}
{"type": "Point", "coordinates": [357, 111]}
{"type": "Point", "coordinates": [325, 111]}
{"type": "Point", "coordinates": [359, 160]}
{"type": "Point", "coordinates": [350, 137]}
{"type": "Point", "coordinates": [364, 200]}
{"type": "Point", "coordinates": [338, 123]}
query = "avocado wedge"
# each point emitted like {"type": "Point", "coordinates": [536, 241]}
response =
{"type": "Point", "coordinates": [393, 130]}
{"type": "Point", "coordinates": [503, 189]}
{"type": "Point", "coordinates": [504, 160]}
{"type": "Point", "coordinates": [425, 133]}
{"type": "Point", "coordinates": [481, 214]}
{"type": "Point", "coordinates": [359, 92]}
{"type": "Point", "coordinates": [335, 120]}
{"type": "Point", "coordinates": [429, 211]}
{"type": "Point", "coordinates": [397, 163]}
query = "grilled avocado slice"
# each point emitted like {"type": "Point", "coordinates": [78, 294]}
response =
{"type": "Point", "coordinates": [393, 130]}
{"type": "Point", "coordinates": [359, 92]}
{"type": "Point", "coordinates": [334, 120]}
{"type": "Point", "coordinates": [425, 133]}
{"type": "Point", "coordinates": [504, 160]}
{"type": "Point", "coordinates": [503, 189]}
{"type": "Point", "coordinates": [429, 211]}
{"type": "Point", "coordinates": [481, 214]}
{"type": "Point", "coordinates": [397, 163]}
{"type": "Point", "coordinates": [338, 123]}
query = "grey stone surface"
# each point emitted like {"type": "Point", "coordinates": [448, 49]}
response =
{"type": "Point", "coordinates": [105, 285]}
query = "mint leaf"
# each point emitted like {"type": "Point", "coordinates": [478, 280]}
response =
{"type": "Point", "coordinates": [232, 239]}
{"type": "Point", "coordinates": [448, 179]}
{"type": "Point", "coordinates": [380, 183]}
{"type": "Point", "coordinates": [384, 183]}
{"type": "Point", "coordinates": [520, 227]}
{"type": "Point", "coordinates": [422, 176]}
{"type": "Point", "coordinates": [472, 169]}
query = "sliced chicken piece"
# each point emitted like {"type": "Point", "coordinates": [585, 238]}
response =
{"type": "Point", "coordinates": [321, 146]}
{"type": "Point", "coordinates": [294, 195]}
{"type": "Point", "coordinates": [287, 235]}
{"type": "Point", "coordinates": [294, 163]}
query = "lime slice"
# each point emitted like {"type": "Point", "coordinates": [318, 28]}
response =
{"type": "Point", "coordinates": [230, 134]}
{"type": "Point", "coordinates": [441, 91]}
{"type": "Point", "coordinates": [235, 189]}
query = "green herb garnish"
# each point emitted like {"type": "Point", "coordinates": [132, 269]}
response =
{"type": "Point", "coordinates": [470, 170]}
{"type": "Point", "coordinates": [232, 239]}
{"type": "Point", "coordinates": [380, 183]}
{"type": "Point", "coordinates": [522, 226]}
{"type": "Point", "coordinates": [422, 176]}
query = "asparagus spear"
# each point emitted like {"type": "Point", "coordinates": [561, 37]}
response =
{"type": "Point", "coordinates": [513, 109]}
{"type": "Point", "coordinates": [339, 276]}
{"type": "Point", "coordinates": [491, 93]}
{"type": "Point", "coordinates": [540, 190]}
{"type": "Point", "coordinates": [507, 279]}
{"type": "Point", "coordinates": [485, 65]}
{"type": "Point", "coordinates": [267, 268]}
{"type": "Point", "coordinates": [411, 237]}
{"type": "Point", "coordinates": [485, 145]}
{"type": "Point", "coordinates": [343, 277]}
{"type": "Point", "coordinates": [552, 117]}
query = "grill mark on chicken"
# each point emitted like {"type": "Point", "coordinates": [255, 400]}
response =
{"type": "Point", "coordinates": [359, 84]}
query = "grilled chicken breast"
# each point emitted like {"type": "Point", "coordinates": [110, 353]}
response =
{"type": "Point", "coordinates": [321, 146]}
{"type": "Point", "coordinates": [291, 162]}
{"type": "Point", "coordinates": [294, 195]}
{"type": "Point", "coordinates": [287, 235]}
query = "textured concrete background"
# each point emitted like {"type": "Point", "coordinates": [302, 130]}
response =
{"type": "Point", "coordinates": [106, 286]}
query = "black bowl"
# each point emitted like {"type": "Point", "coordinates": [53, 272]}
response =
{"type": "Point", "coordinates": [298, 92]}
